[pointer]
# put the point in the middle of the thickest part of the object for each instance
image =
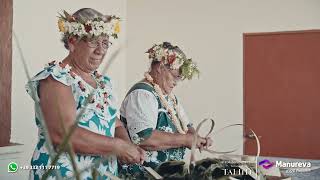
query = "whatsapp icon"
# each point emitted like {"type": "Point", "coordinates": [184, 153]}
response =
{"type": "Point", "coordinates": [12, 167]}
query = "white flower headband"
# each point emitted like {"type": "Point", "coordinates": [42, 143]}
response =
{"type": "Point", "coordinates": [175, 58]}
{"type": "Point", "coordinates": [69, 25]}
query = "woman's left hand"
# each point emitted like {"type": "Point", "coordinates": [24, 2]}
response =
{"type": "Point", "coordinates": [208, 143]}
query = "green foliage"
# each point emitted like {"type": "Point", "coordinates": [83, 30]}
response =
{"type": "Point", "coordinates": [189, 69]}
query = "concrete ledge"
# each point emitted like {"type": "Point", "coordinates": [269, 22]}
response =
{"type": "Point", "coordinates": [14, 150]}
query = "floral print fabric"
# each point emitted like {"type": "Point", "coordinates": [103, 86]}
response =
{"type": "Point", "coordinates": [99, 116]}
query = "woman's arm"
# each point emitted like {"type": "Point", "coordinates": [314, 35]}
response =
{"type": "Point", "coordinates": [59, 110]}
{"type": "Point", "coordinates": [160, 140]}
{"type": "Point", "coordinates": [121, 132]}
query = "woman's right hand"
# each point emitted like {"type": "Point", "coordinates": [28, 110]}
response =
{"type": "Point", "coordinates": [200, 141]}
{"type": "Point", "coordinates": [128, 153]}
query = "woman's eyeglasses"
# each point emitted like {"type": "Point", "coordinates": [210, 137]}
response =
{"type": "Point", "coordinates": [96, 43]}
{"type": "Point", "coordinates": [177, 77]}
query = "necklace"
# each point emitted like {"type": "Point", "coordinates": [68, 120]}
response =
{"type": "Point", "coordinates": [86, 77]}
{"type": "Point", "coordinates": [179, 123]}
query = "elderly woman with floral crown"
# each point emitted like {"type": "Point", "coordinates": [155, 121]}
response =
{"type": "Point", "coordinates": [73, 92]}
{"type": "Point", "coordinates": [153, 115]}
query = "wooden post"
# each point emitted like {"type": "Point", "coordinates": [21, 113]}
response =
{"type": "Point", "coordinates": [6, 11]}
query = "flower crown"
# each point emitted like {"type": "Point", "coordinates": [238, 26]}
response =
{"type": "Point", "coordinates": [76, 26]}
{"type": "Point", "coordinates": [175, 58]}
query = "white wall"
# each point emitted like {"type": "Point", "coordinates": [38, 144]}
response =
{"type": "Point", "coordinates": [35, 23]}
{"type": "Point", "coordinates": [210, 32]}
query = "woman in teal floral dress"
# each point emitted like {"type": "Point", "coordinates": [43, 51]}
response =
{"type": "Point", "coordinates": [153, 116]}
{"type": "Point", "coordinates": [72, 90]}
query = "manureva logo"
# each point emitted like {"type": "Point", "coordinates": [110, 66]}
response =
{"type": "Point", "coordinates": [293, 164]}
{"type": "Point", "coordinates": [266, 164]}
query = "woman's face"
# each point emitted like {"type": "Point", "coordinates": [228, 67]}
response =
{"type": "Point", "coordinates": [168, 79]}
{"type": "Point", "coordinates": [89, 54]}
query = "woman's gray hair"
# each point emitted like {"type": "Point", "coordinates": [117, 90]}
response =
{"type": "Point", "coordinates": [85, 14]}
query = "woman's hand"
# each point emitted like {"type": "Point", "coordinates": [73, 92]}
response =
{"type": "Point", "coordinates": [202, 143]}
{"type": "Point", "coordinates": [208, 143]}
{"type": "Point", "coordinates": [128, 153]}
{"type": "Point", "coordinates": [189, 138]}
{"type": "Point", "coordinates": [142, 153]}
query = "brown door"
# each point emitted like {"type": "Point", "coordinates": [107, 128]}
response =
{"type": "Point", "coordinates": [282, 93]}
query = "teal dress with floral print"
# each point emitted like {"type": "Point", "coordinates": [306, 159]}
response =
{"type": "Point", "coordinates": [98, 116]}
{"type": "Point", "coordinates": [163, 123]}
